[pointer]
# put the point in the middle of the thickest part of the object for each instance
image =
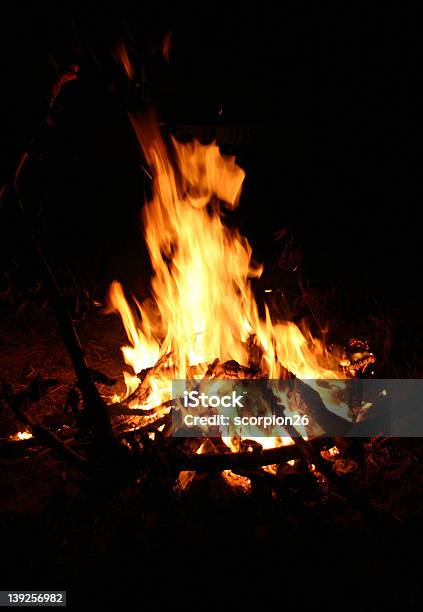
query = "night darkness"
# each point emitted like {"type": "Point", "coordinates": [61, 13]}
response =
{"type": "Point", "coordinates": [330, 96]}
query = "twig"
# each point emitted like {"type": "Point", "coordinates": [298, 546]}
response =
{"type": "Point", "coordinates": [44, 435]}
{"type": "Point", "coordinates": [93, 402]}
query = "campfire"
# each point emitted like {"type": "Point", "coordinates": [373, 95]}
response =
{"type": "Point", "coordinates": [202, 306]}
{"type": "Point", "coordinates": [193, 386]}
{"type": "Point", "coordinates": [201, 322]}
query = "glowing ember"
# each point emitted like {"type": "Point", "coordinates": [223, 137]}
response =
{"type": "Point", "coordinates": [21, 435]}
{"type": "Point", "coordinates": [238, 481]}
{"type": "Point", "coordinates": [330, 453]}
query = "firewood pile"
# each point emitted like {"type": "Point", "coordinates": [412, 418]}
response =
{"type": "Point", "coordinates": [117, 444]}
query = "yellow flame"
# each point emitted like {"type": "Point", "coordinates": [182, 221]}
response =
{"type": "Point", "coordinates": [21, 435]}
{"type": "Point", "coordinates": [202, 304]}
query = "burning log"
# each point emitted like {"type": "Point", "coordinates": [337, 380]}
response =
{"type": "Point", "coordinates": [316, 409]}
{"type": "Point", "coordinates": [237, 312]}
{"type": "Point", "coordinates": [229, 369]}
{"type": "Point", "coordinates": [304, 447]}
{"type": "Point", "coordinates": [237, 461]}
{"type": "Point", "coordinates": [324, 467]}
{"type": "Point", "coordinates": [142, 392]}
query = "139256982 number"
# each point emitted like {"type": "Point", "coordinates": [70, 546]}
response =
{"type": "Point", "coordinates": [34, 598]}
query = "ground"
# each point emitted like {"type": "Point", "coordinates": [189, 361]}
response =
{"type": "Point", "coordinates": [147, 535]}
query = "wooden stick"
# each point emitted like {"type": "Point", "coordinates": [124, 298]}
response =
{"type": "Point", "coordinates": [325, 468]}
{"type": "Point", "coordinates": [233, 461]}
{"type": "Point", "coordinates": [10, 447]}
{"type": "Point", "coordinates": [44, 435]}
{"type": "Point", "coordinates": [316, 409]}
{"type": "Point", "coordinates": [93, 403]}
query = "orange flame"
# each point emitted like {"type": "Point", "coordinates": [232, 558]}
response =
{"type": "Point", "coordinates": [123, 57]}
{"type": "Point", "coordinates": [203, 304]}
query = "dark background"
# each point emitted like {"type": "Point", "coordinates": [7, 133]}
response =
{"type": "Point", "coordinates": [333, 95]}
{"type": "Point", "coordinates": [331, 92]}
